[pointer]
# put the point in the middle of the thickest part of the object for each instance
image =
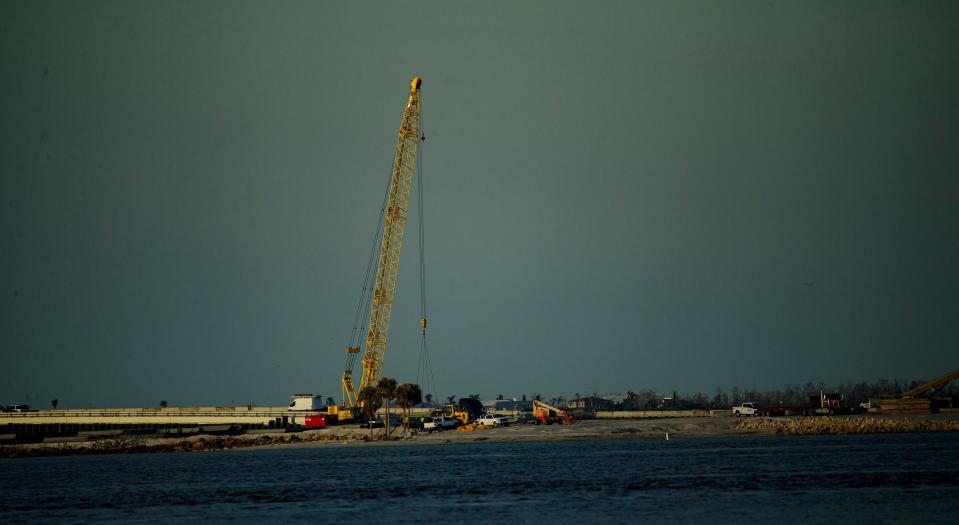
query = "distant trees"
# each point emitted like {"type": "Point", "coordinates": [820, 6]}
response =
{"type": "Point", "coordinates": [647, 399]}
{"type": "Point", "coordinates": [387, 391]}
{"type": "Point", "coordinates": [630, 402]}
{"type": "Point", "coordinates": [736, 396]}
{"type": "Point", "coordinates": [789, 394]}
{"type": "Point", "coordinates": [720, 399]}
{"type": "Point", "coordinates": [163, 404]}
{"type": "Point", "coordinates": [55, 402]}
{"type": "Point", "coordinates": [408, 395]}
{"type": "Point", "coordinates": [429, 399]}
{"type": "Point", "coordinates": [698, 400]}
{"type": "Point", "coordinates": [369, 399]}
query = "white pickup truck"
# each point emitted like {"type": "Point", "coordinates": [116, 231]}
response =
{"type": "Point", "coordinates": [749, 408]}
{"type": "Point", "coordinates": [439, 423]}
{"type": "Point", "coordinates": [492, 420]}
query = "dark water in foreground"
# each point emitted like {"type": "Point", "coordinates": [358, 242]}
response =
{"type": "Point", "coordinates": [911, 478]}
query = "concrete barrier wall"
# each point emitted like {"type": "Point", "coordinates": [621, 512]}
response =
{"type": "Point", "coordinates": [161, 416]}
{"type": "Point", "coordinates": [151, 420]}
{"type": "Point", "coordinates": [140, 410]}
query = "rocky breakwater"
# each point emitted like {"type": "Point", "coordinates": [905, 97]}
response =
{"type": "Point", "coordinates": [797, 426]}
{"type": "Point", "coordinates": [193, 444]}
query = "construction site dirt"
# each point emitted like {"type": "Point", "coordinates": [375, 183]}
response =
{"type": "Point", "coordinates": [650, 428]}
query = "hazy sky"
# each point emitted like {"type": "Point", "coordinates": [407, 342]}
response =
{"type": "Point", "coordinates": [619, 195]}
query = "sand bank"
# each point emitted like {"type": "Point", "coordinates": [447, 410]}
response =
{"type": "Point", "coordinates": [654, 428]}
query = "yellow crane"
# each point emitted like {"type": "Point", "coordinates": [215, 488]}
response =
{"type": "Point", "coordinates": [920, 400]}
{"type": "Point", "coordinates": [396, 212]}
{"type": "Point", "coordinates": [932, 386]}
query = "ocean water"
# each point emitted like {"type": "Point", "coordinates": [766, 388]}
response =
{"type": "Point", "coordinates": [893, 478]}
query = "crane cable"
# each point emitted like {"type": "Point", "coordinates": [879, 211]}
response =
{"type": "Point", "coordinates": [424, 368]}
{"type": "Point", "coordinates": [360, 318]}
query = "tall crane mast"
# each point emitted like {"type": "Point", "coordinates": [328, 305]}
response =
{"type": "Point", "coordinates": [394, 221]}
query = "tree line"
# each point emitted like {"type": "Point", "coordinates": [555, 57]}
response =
{"type": "Point", "coordinates": [790, 394]}
{"type": "Point", "coordinates": [372, 397]}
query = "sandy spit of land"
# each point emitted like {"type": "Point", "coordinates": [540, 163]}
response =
{"type": "Point", "coordinates": [351, 435]}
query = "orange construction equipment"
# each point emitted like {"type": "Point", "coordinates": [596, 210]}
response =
{"type": "Point", "coordinates": [546, 414]}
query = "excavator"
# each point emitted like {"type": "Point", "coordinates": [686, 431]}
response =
{"type": "Point", "coordinates": [380, 298]}
{"type": "Point", "coordinates": [546, 414]}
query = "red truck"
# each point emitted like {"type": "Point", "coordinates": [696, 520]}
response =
{"type": "Point", "coordinates": [316, 420]}
{"type": "Point", "coordinates": [824, 404]}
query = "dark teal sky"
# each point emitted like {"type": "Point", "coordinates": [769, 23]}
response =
{"type": "Point", "coordinates": [668, 195]}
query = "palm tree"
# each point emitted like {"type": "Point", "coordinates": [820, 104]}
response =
{"type": "Point", "coordinates": [55, 402]}
{"type": "Point", "coordinates": [408, 395]}
{"type": "Point", "coordinates": [403, 399]}
{"type": "Point", "coordinates": [387, 390]}
{"type": "Point", "coordinates": [369, 398]}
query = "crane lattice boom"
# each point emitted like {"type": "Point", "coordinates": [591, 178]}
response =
{"type": "Point", "coordinates": [394, 221]}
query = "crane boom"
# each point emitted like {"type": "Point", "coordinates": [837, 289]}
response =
{"type": "Point", "coordinates": [546, 414]}
{"type": "Point", "coordinates": [931, 386]}
{"type": "Point", "coordinates": [394, 221]}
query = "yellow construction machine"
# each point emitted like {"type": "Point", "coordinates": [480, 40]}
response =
{"type": "Point", "coordinates": [920, 400]}
{"type": "Point", "coordinates": [546, 414]}
{"type": "Point", "coordinates": [380, 297]}
{"type": "Point", "coordinates": [466, 411]}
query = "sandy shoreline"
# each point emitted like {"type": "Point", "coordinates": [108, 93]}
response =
{"type": "Point", "coordinates": [654, 428]}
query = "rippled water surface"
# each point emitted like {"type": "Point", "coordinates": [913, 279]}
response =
{"type": "Point", "coordinates": [910, 478]}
